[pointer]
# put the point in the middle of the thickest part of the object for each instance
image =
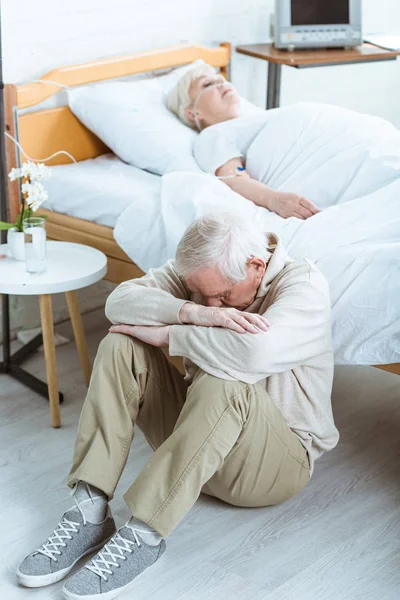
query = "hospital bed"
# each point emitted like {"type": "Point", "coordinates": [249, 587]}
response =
{"type": "Point", "coordinates": [44, 132]}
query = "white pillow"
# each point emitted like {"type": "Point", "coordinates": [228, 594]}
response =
{"type": "Point", "coordinates": [132, 119]}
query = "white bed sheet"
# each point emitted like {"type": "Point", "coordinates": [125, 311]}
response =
{"type": "Point", "coordinates": [355, 241]}
{"type": "Point", "coordinates": [100, 189]}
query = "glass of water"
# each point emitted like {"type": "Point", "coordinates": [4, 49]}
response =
{"type": "Point", "coordinates": [35, 244]}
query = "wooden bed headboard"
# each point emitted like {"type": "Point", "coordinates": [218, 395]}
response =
{"type": "Point", "coordinates": [44, 132]}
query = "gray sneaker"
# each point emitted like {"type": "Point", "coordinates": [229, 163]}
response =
{"type": "Point", "coordinates": [114, 568]}
{"type": "Point", "coordinates": [73, 538]}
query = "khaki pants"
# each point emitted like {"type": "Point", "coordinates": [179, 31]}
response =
{"type": "Point", "coordinates": [225, 438]}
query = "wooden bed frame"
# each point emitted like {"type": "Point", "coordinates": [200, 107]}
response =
{"type": "Point", "coordinates": [44, 132]}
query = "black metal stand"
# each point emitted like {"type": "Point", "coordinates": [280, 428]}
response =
{"type": "Point", "coordinates": [273, 85]}
{"type": "Point", "coordinates": [11, 363]}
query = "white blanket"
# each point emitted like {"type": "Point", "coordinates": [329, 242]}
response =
{"type": "Point", "coordinates": [347, 163]}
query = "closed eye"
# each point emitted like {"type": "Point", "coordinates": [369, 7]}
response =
{"type": "Point", "coordinates": [215, 81]}
{"type": "Point", "coordinates": [221, 296]}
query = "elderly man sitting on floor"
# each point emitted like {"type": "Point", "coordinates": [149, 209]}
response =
{"type": "Point", "coordinates": [245, 425]}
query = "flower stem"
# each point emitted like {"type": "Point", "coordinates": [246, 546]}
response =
{"type": "Point", "coordinates": [21, 214]}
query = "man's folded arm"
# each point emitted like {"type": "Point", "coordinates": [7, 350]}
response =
{"type": "Point", "coordinates": [152, 300]}
{"type": "Point", "coordinates": [300, 330]}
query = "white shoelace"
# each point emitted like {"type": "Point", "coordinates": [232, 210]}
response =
{"type": "Point", "coordinates": [62, 532]}
{"type": "Point", "coordinates": [56, 540]}
{"type": "Point", "coordinates": [114, 550]}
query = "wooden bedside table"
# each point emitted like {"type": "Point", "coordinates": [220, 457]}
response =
{"type": "Point", "coordinates": [301, 59]}
{"type": "Point", "coordinates": [69, 268]}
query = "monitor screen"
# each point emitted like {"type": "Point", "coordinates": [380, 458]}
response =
{"type": "Point", "coordinates": [320, 12]}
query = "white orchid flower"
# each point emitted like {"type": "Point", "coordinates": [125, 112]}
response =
{"type": "Point", "coordinates": [32, 171]}
{"type": "Point", "coordinates": [42, 196]}
{"type": "Point", "coordinates": [35, 194]}
{"type": "Point", "coordinates": [27, 169]}
{"type": "Point", "coordinates": [41, 172]}
{"type": "Point", "coordinates": [14, 174]}
{"type": "Point", "coordinates": [26, 188]}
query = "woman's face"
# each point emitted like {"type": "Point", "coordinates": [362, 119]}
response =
{"type": "Point", "coordinates": [217, 101]}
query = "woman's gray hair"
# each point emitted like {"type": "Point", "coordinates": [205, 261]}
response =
{"type": "Point", "coordinates": [179, 99]}
{"type": "Point", "coordinates": [221, 240]}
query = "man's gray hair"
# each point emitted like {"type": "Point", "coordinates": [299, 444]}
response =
{"type": "Point", "coordinates": [221, 240]}
{"type": "Point", "coordinates": [179, 99]}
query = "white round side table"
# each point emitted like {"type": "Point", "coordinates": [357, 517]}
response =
{"type": "Point", "coordinates": [69, 267]}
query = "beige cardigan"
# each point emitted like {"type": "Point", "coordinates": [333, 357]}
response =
{"type": "Point", "coordinates": [294, 359]}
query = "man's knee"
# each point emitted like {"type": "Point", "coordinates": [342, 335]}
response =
{"type": "Point", "coordinates": [118, 349]}
{"type": "Point", "coordinates": [114, 343]}
{"type": "Point", "coordinates": [115, 340]}
{"type": "Point", "coordinates": [120, 342]}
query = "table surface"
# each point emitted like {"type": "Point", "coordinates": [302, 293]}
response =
{"type": "Point", "coordinates": [318, 56]}
{"type": "Point", "coordinates": [69, 267]}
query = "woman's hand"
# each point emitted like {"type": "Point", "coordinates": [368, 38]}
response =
{"type": "Point", "coordinates": [282, 203]}
{"type": "Point", "coordinates": [229, 318]}
{"type": "Point", "coordinates": [155, 336]}
{"type": "Point", "coordinates": [291, 205]}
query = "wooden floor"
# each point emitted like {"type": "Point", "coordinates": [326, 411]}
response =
{"type": "Point", "coordinates": [338, 540]}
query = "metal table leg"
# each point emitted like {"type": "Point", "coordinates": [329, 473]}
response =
{"type": "Point", "coordinates": [10, 363]}
{"type": "Point", "coordinates": [273, 85]}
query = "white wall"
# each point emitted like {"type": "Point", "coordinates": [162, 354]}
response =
{"type": "Point", "coordinates": [42, 34]}
{"type": "Point", "coordinates": [39, 35]}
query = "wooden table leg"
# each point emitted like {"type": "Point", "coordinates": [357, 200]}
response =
{"type": "Point", "coordinates": [46, 317]}
{"type": "Point", "coordinates": [79, 334]}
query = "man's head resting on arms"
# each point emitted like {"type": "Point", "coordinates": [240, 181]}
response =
{"type": "Point", "coordinates": [202, 97]}
{"type": "Point", "coordinates": [223, 257]}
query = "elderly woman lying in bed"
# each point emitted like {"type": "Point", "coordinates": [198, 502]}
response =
{"type": "Point", "coordinates": [204, 100]}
